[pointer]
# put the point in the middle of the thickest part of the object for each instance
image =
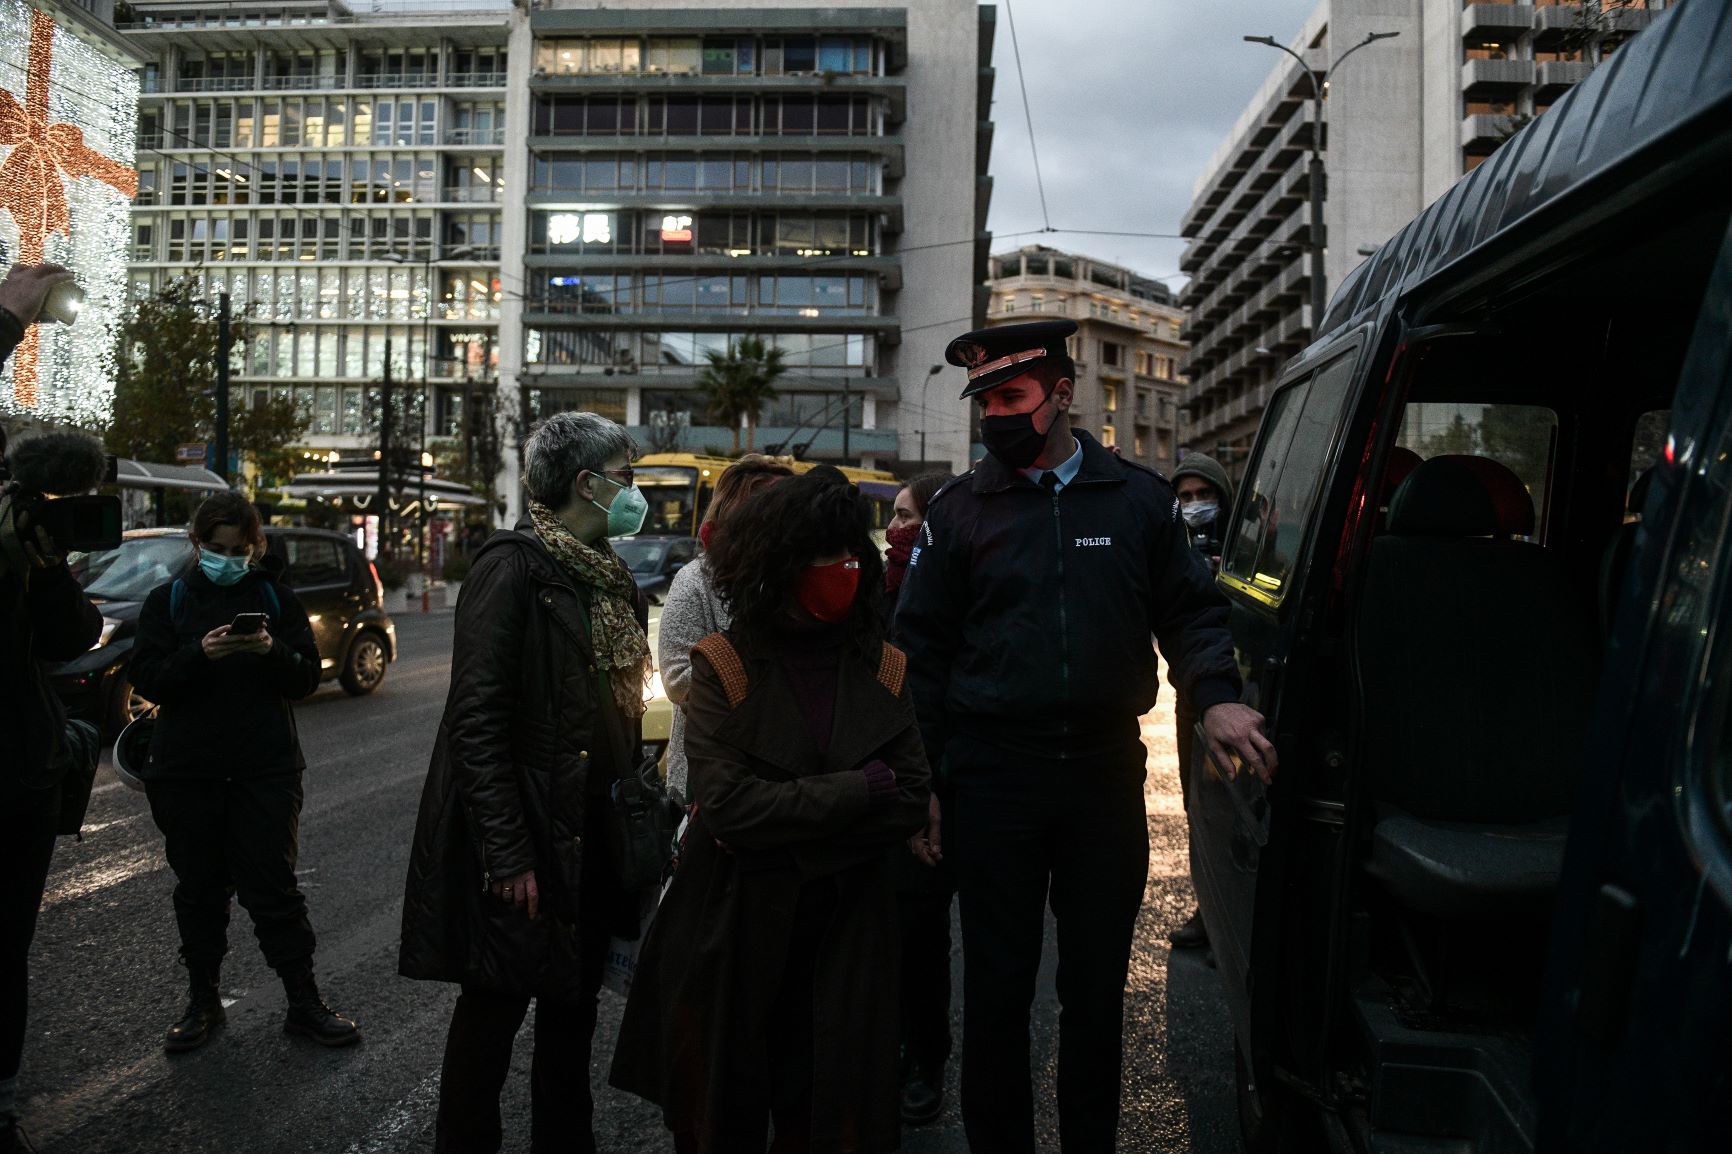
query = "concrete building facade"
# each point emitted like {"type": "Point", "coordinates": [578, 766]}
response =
{"type": "Point", "coordinates": [694, 175]}
{"type": "Point", "coordinates": [1128, 346]}
{"type": "Point", "coordinates": [1404, 119]}
{"type": "Point", "coordinates": [342, 175]}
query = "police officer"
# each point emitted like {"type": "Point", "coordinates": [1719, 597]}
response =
{"type": "Point", "coordinates": [1026, 618]}
{"type": "Point", "coordinates": [1205, 494]}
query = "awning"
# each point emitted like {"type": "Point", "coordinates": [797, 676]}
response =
{"type": "Point", "coordinates": [143, 475]}
{"type": "Point", "coordinates": [359, 489]}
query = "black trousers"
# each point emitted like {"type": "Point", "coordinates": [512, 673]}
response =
{"type": "Point", "coordinates": [923, 896]}
{"type": "Point", "coordinates": [484, 1028]}
{"type": "Point", "coordinates": [1026, 832]}
{"type": "Point", "coordinates": [235, 838]}
{"type": "Point", "coordinates": [26, 846]}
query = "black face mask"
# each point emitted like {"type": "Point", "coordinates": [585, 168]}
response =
{"type": "Point", "coordinates": [1013, 439]}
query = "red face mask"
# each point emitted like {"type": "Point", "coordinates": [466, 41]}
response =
{"type": "Point", "coordinates": [827, 591]}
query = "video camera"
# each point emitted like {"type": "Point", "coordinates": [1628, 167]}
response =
{"type": "Point", "coordinates": [43, 483]}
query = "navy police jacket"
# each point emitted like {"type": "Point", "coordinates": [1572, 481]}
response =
{"type": "Point", "coordinates": [1027, 615]}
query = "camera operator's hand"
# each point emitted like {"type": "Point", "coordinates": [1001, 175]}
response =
{"type": "Point", "coordinates": [39, 547]}
{"type": "Point", "coordinates": [26, 288]}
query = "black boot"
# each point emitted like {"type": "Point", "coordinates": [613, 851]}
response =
{"type": "Point", "coordinates": [922, 1094]}
{"type": "Point", "coordinates": [204, 1012]}
{"type": "Point", "coordinates": [1192, 935]}
{"type": "Point", "coordinates": [309, 1016]}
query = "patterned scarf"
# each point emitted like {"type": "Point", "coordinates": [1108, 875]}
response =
{"type": "Point", "coordinates": [619, 644]}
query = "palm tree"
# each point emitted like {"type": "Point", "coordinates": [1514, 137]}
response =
{"type": "Point", "coordinates": [739, 383]}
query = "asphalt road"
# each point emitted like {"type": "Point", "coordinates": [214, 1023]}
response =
{"type": "Point", "coordinates": [105, 982]}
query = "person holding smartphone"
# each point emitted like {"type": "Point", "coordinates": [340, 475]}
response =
{"type": "Point", "coordinates": [224, 650]}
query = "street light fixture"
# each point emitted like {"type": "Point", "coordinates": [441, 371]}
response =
{"type": "Point", "coordinates": [930, 373]}
{"type": "Point", "coordinates": [1319, 299]}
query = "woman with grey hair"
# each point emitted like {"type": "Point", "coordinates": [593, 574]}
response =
{"type": "Point", "coordinates": [548, 668]}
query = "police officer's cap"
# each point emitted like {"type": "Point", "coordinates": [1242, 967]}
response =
{"type": "Point", "coordinates": [996, 355]}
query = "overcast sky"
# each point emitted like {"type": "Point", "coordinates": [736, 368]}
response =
{"type": "Point", "coordinates": [1130, 99]}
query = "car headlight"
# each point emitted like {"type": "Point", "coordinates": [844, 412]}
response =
{"type": "Point", "coordinates": [109, 625]}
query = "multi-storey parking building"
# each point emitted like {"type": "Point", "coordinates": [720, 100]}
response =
{"type": "Point", "coordinates": [1404, 119]}
{"type": "Point", "coordinates": [1128, 345]}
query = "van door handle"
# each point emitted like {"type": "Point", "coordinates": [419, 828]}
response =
{"type": "Point", "coordinates": [1609, 975]}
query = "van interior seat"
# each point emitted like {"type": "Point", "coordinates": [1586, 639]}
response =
{"type": "Point", "coordinates": [1477, 670]}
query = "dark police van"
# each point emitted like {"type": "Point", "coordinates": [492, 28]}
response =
{"type": "Point", "coordinates": [1480, 569]}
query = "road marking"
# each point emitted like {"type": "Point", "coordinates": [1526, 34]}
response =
{"type": "Point", "coordinates": [104, 874]}
{"type": "Point", "coordinates": [409, 1112]}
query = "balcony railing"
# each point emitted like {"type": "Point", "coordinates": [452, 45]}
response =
{"type": "Point", "coordinates": [472, 194]}
{"type": "Point", "coordinates": [475, 136]}
{"type": "Point", "coordinates": [213, 83]}
{"type": "Point", "coordinates": [1484, 76]}
{"type": "Point", "coordinates": [417, 80]}
{"type": "Point", "coordinates": [1495, 21]}
{"type": "Point", "coordinates": [475, 80]}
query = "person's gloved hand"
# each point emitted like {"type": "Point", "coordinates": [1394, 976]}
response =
{"type": "Point", "coordinates": [27, 286]}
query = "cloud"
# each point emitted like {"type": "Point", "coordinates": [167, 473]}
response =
{"type": "Point", "coordinates": [1130, 99]}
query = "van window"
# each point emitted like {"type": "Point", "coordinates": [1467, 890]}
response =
{"type": "Point", "coordinates": [1523, 437]}
{"type": "Point", "coordinates": [314, 561]}
{"type": "Point", "coordinates": [1649, 441]}
{"type": "Point", "coordinates": [1285, 479]}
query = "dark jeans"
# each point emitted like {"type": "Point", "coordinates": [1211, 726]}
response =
{"type": "Point", "coordinates": [923, 896]}
{"type": "Point", "coordinates": [235, 838]}
{"type": "Point", "coordinates": [26, 845]}
{"type": "Point", "coordinates": [1024, 833]}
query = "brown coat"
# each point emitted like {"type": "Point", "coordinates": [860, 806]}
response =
{"type": "Point", "coordinates": [694, 1035]}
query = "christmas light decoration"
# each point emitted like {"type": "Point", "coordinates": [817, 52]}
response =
{"type": "Point", "coordinates": [68, 131]}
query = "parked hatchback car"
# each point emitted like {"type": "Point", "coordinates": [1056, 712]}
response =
{"type": "Point", "coordinates": [654, 561]}
{"type": "Point", "coordinates": [339, 588]}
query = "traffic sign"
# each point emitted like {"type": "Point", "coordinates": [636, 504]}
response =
{"type": "Point", "coordinates": [190, 454]}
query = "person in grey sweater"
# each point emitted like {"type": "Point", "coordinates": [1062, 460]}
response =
{"type": "Point", "coordinates": [693, 609]}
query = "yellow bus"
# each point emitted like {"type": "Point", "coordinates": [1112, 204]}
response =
{"type": "Point", "coordinates": [679, 487]}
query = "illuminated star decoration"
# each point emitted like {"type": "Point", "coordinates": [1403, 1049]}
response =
{"type": "Point", "coordinates": [31, 176]}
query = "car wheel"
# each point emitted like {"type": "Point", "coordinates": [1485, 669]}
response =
{"type": "Point", "coordinates": [364, 668]}
{"type": "Point", "coordinates": [125, 705]}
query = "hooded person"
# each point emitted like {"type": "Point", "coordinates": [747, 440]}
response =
{"type": "Point", "coordinates": [1205, 495]}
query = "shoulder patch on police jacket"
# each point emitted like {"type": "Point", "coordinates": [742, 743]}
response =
{"type": "Point", "coordinates": [892, 669]}
{"type": "Point", "coordinates": [721, 654]}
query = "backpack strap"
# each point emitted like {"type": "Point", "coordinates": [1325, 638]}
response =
{"type": "Point", "coordinates": [177, 600]}
{"type": "Point", "coordinates": [722, 655]}
{"type": "Point", "coordinates": [893, 669]}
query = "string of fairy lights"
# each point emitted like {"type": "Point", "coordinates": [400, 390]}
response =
{"type": "Point", "coordinates": [58, 374]}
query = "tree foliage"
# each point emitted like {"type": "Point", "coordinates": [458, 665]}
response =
{"type": "Point", "coordinates": [165, 385]}
{"type": "Point", "coordinates": [739, 383]}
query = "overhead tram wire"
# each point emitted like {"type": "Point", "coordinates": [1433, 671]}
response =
{"type": "Point", "coordinates": [1022, 83]}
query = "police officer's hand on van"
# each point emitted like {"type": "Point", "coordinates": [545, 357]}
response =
{"type": "Point", "coordinates": [220, 643]}
{"type": "Point", "coordinates": [1232, 729]}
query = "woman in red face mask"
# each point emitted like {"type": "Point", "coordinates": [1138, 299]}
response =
{"type": "Point", "coordinates": [904, 534]}
{"type": "Point", "coordinates": [766, 993]}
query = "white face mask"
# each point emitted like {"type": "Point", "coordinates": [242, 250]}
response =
{"type": "Point", "coordinates": [1199, 513]}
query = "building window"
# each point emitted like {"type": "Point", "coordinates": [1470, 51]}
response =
{"type": "Point", "coordinates": [1036, 303]}
{"type": "Point", "coordinates": [1109, 436]}
{"type": "Point", "coordinates": [1110, 399]}
{"type": "Point", "coordinates": [1112, 353]}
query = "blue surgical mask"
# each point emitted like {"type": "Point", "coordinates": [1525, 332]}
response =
{"type": "Point", "coordinates": [626, 515]}
{"type": "Point", "coordinates": [222, 570]}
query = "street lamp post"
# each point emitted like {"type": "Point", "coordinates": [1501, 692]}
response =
{"type": "Point", "coordinates": [1319, 298]}
{"type": "Point", "coordinates": [426, 389]}
{"type": "Point", "coordinates": [930, 373]}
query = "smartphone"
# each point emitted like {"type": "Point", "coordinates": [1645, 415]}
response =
{"type": "Point", "coordinates": [247, 623]}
